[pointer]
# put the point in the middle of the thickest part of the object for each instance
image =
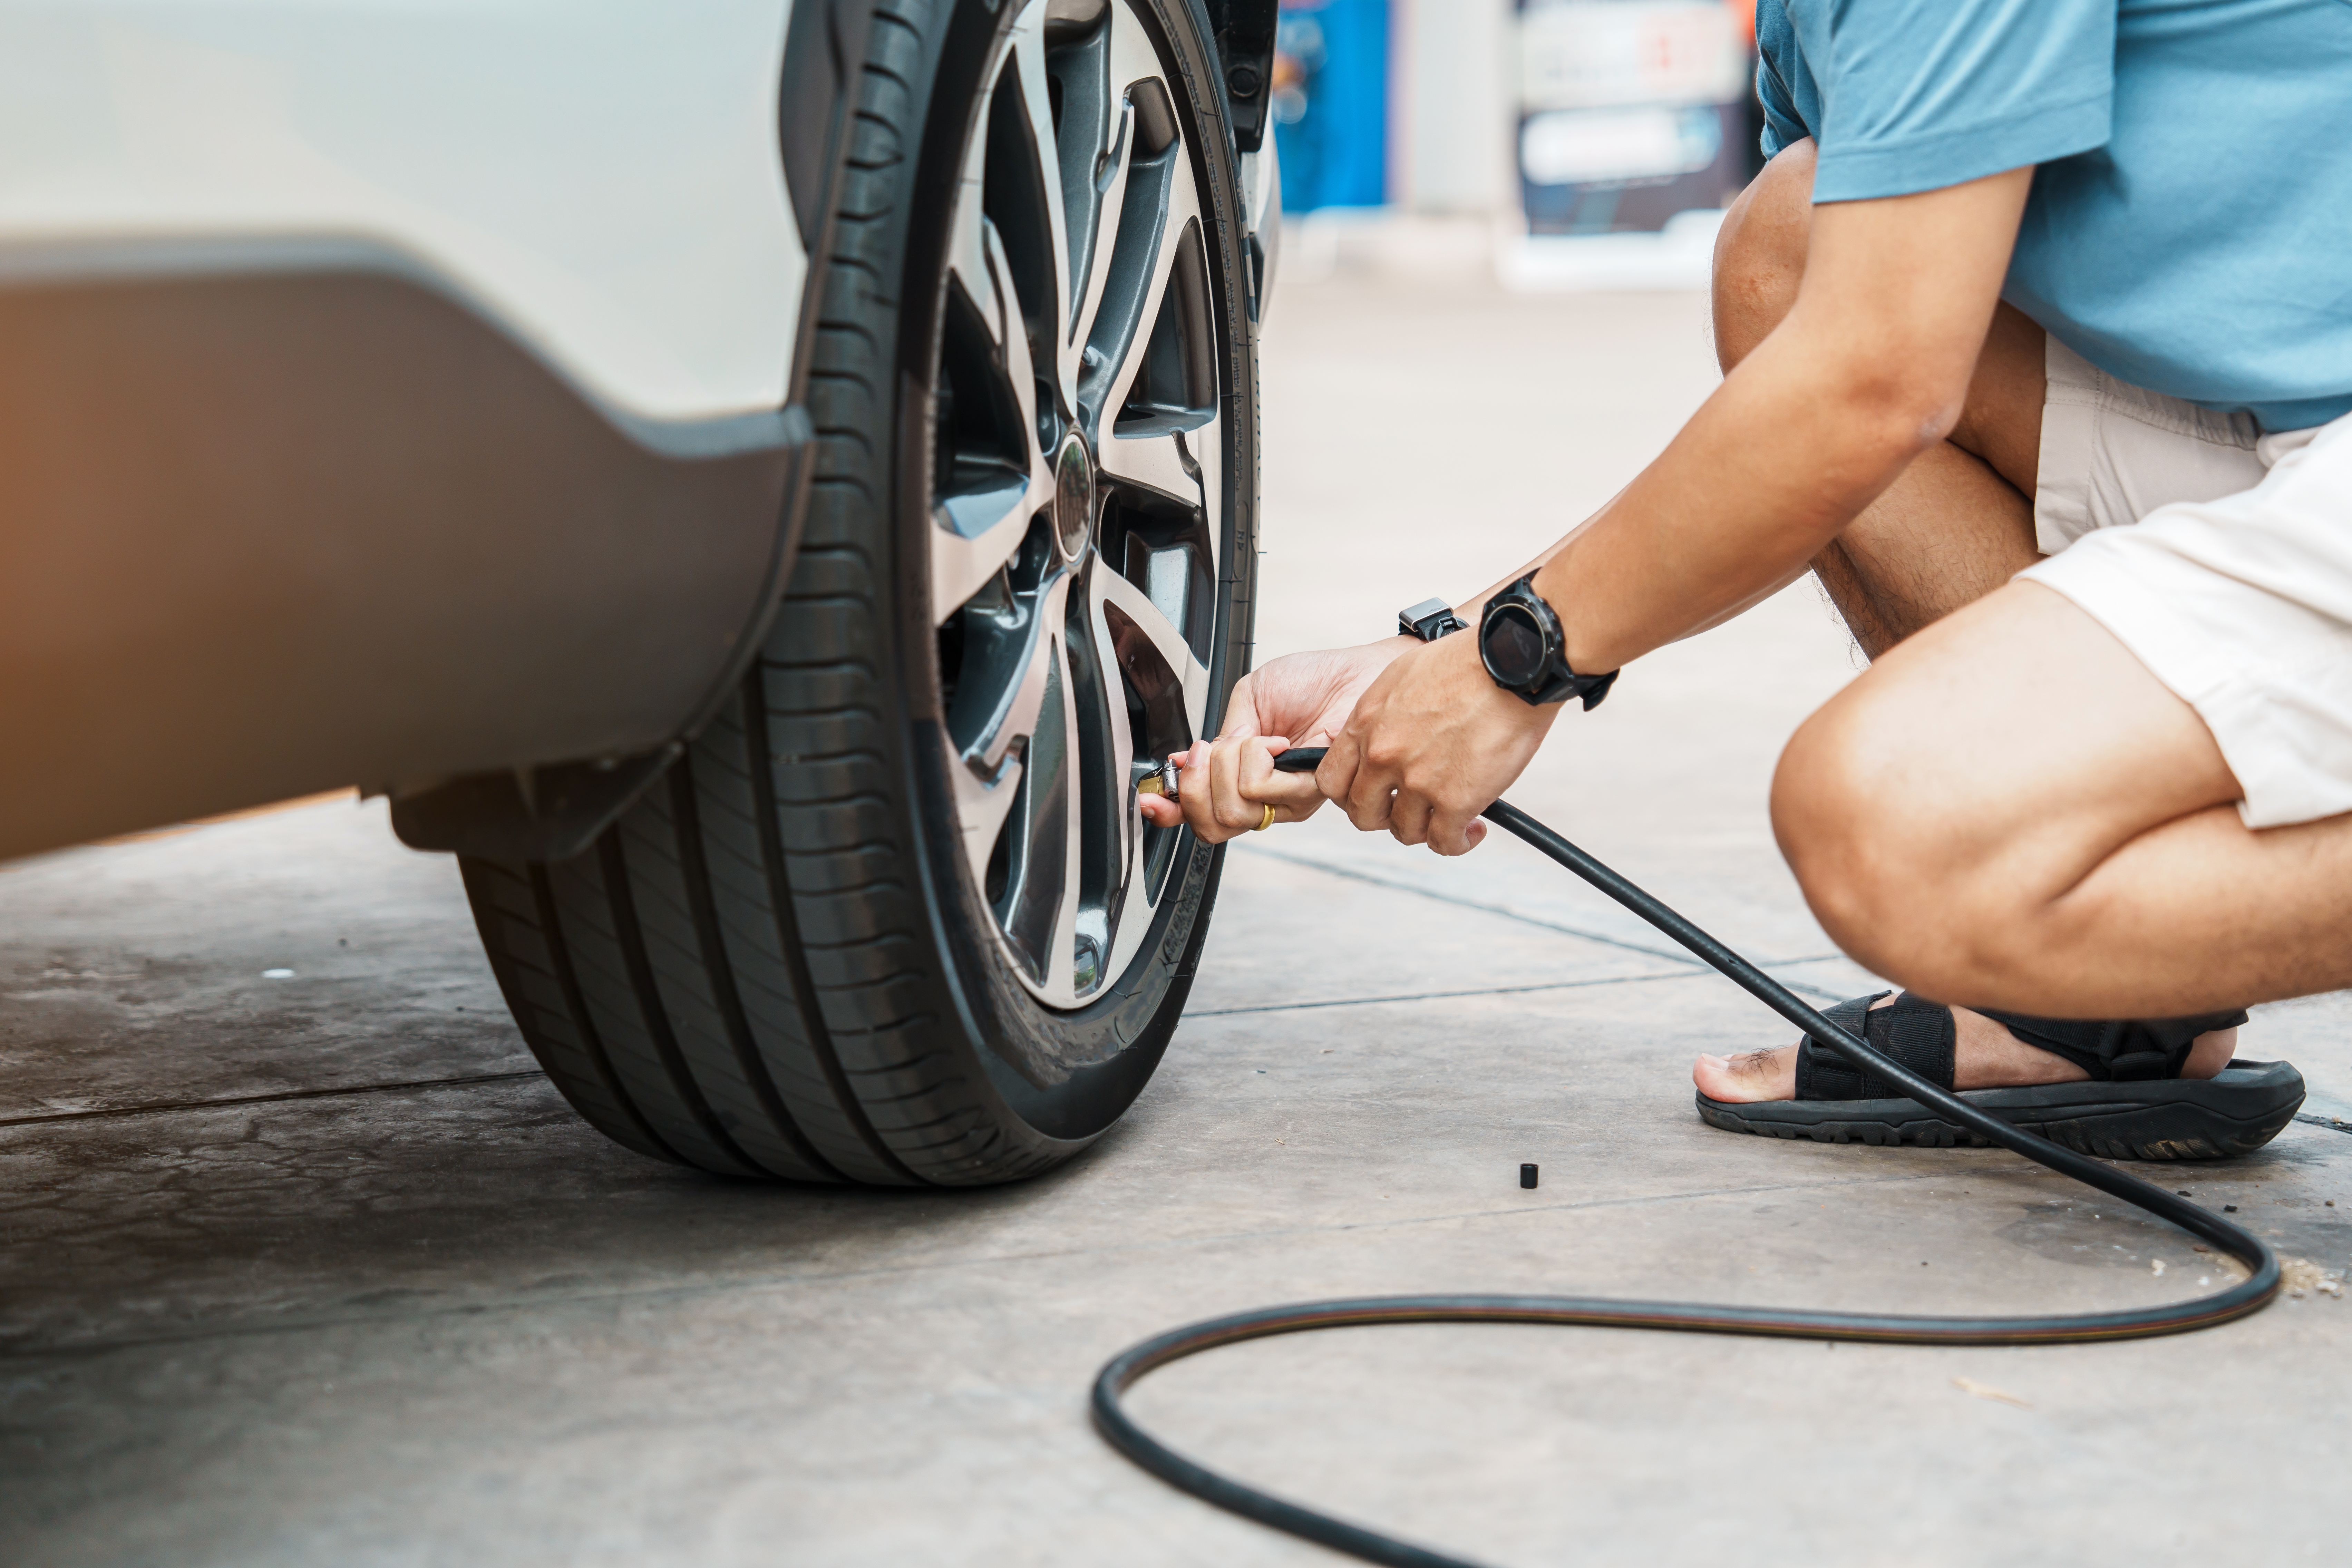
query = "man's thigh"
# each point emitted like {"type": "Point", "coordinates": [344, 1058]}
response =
{"type": "Point", "coordinates": [2014, 742]}
{"type": "Point", "coordinates": [2009, 810]}
{"type": "Point", "coordinates": [2001, 421]}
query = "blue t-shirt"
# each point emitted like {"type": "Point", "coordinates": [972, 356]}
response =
{"type": "Point", "coordinates": [2191, 225]}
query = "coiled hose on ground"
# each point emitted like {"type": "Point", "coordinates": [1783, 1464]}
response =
{"type": "Point", "coordinates": [1123, 1371]}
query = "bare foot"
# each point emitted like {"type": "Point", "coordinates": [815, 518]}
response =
{"type": "Point", "coordinates": [1985, 1055]}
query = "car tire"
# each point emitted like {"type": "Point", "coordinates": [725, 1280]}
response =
{"type": "Point", "coordinates": [868, 926]}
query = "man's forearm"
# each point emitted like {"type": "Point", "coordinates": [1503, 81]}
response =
{"type": "Point", "coordinates": [1865, 373]}
{"type": "Point", "coordinates": [1751, 581]}
{"type": "Point", "coordinates": [1468, 610]}
{"type": "Point", "coordinates": [1769, 471]}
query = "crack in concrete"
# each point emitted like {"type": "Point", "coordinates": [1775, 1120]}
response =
{"type": "Point", "coordinates": [2333, 1123]}
{"type": "Point", "coordinates": [165, 1108]}
{"type": "Point", "coordinates": [1442, 996]}
{"type": "Point", "coordinates": [1670, 954]}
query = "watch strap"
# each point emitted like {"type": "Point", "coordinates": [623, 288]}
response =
{"type": "Point", "coordinates": [1429, 620]}
{"type": "Point", "coordinates": [1591, 688]}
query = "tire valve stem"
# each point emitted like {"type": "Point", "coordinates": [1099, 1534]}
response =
{"type": "Point", "coordinates": [1526, 1175]}
{"type": "Point", "coordinates": [1163, 783]}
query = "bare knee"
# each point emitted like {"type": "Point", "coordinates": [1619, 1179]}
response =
{"type": "Point", "coordinates": [1897, 875]}
{"type": "Point", "coordinates": [1831, 825]}
{"type": "Point", "coordinates": [1759, 256]}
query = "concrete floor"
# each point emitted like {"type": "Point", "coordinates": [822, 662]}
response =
{"type": "Point", "coordinates": [317, 1269]}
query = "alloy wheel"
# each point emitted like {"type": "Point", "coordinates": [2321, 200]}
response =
{"type": "Point", "coordinates": [1077, 502]}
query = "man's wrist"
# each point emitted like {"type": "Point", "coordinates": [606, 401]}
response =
{"type": "Point", "coordinates": [1558, 593]}
{"type": "Point", "coordinates": [1429, 620]}
{"type": "Point", "coordinates": [1504, 704]}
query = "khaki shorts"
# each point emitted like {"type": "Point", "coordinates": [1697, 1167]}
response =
{"type": "Point", "coordinates": [2223, 559]}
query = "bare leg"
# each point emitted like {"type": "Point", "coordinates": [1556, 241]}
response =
{"type": "Point", "coordinates": [1960, 522]}
{"type": "Point", "coordinates": [2009, 808]}
{"type": "Point", "coordinates": [1953, 530]}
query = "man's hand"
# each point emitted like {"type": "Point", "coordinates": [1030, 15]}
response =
{"type": "Point", "coordinates": [1431, 744]}
{"type": "Point", "coordinates": [1300, 699]}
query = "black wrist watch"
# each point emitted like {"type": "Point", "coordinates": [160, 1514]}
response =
{"type": "Point", "coordinates": [1429, 620]}
{"type": "Point", "coordinates": [1521, 641]}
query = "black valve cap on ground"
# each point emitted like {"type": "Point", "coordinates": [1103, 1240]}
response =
{"type": "Point", "coordinates": [1526, 1175]}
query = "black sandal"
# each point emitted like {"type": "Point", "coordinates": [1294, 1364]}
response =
{"type": "Point", "coordinates": [2136, 1105]}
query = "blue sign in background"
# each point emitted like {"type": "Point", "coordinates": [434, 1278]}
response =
{"type": "Point", "coordinates": [1331, 103]}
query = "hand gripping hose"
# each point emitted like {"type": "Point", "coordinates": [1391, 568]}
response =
{"type": "Point", "coordinates": [1122, 1370]}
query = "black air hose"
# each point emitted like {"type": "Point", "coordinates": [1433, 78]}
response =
{"type": "Point", "coordinates": [1122, 1370]}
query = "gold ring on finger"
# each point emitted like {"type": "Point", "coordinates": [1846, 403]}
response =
{"type": "Point", "coordinates": [1266, 821]}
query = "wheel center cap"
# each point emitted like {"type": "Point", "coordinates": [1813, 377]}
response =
{"type": "Point", "coordinates": [1074, 498]}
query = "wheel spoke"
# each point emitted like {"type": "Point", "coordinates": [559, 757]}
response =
{"type": "Point", "coordinates": [1014, 363]}
{"type": "Point", "coordinates": [1132, 165]}
{"type": "Point", "coordinates": [989, 494]}
{"type": "Point", "coordinates": [1133, 57]}
{"type": "Point", "coordinates": [1043, 157]}
{"type": "Point", "coordinates": [1062, 975]}
{"type": "Point", "coordinates": [1106, 201]}
{"type": "Point", "coordinates": [1150, 336]}
{"type": "Point", "coordinates": [1035, 906]}
{"type": "Point", "coordinates": [1205, 448]}
{"type": "Point", "coordinates": [1091, 140]}
{"type": "Point", "coordinates": [1006, 665]}
{"type": "Point", "coordinates": [1133, 282]}
{"type": "Point", "coordinates": [1164, 463]}
{"type": "Point", "coordinates": [984, 800]}
{"type": "Point", "coordinates": [1120, 761]}
{"type": "Point", "coordinates": [968, 242]}
{"type": "Point", "coordinates": [1153, 652]}
{"type": "Point", "coordinates": [1147, 195]}
{"type": "Point", "coordinates": [1010, 727]}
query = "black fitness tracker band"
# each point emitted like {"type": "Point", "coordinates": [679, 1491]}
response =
{"type": "Point", "coordinates": [1520, 642]}
{"type": "Point", "coordinates": [1429, 620]}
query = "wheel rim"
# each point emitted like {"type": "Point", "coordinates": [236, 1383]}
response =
{"type": "Point", "coordinates": [1077, 491]}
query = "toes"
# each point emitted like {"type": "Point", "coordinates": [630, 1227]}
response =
{"type": "Point", "coordinates": [1748, 1078]}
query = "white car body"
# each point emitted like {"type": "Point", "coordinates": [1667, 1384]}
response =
{"type": "Point", "coordinates": [599, 177]}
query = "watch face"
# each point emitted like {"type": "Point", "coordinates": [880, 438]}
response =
{"type": "Point", "coordinates": [1513, 645]}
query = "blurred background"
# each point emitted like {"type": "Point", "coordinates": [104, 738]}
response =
{"type": "Point", "coordinates": [1568, 143]}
